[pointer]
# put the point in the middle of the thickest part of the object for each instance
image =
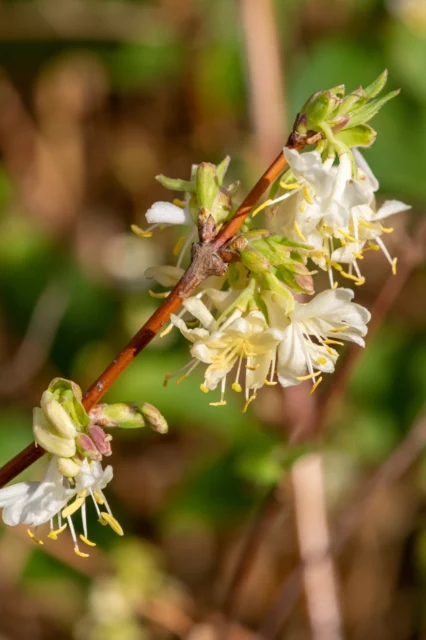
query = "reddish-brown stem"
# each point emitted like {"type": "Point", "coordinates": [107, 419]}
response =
{"type": "Point", "coordinates": [188, 283]}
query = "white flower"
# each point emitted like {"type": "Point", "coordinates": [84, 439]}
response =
{"type": "Point", "coordinates": [238, 339]}
{"type": "Point", "coordinates": [305, 350]}
{"type": "Point", "coordinates": [168, 213]}
{"type": "Point", "coordinates": [35, 503]}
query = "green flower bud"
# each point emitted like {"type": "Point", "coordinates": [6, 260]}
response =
{"type": "Point", "coordinates": [44, 436]}
{"type": "Point", "coordinates": [119, 414]}
{"type": "Point", "coordinates": [68, 467]}
{"type": "Point", "coordinates": [207, 185]}
{"type": "Point", "coordinates": [69, 395]}
{"type": "Point", "coordinates": [57, 415]}
{"type": "Point", "coordinates": [316, 110]}
{"type": "Point", "coordinates": [254, 260]}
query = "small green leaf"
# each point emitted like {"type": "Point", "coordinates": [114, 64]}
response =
{"type": "Point", "coordinates": [207, 185]}
{"type": "Point", "coordinates": [222, 168]}
{"type": "Point", "coordinates": [375, 87]}
{"type": "Point", "coordinates": [370, 109]}
{"type": "Point", "coordinates": [176, 184]}
{"type": "Point", "coordinates": [360, 136]}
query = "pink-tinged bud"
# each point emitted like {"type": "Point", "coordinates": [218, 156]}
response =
{"type": "Point", "coordinates": [87, 447]}
{"type": "Point", "coordinates": [101, 440]}
{"type": "Point", "coordinates": [305, 282]}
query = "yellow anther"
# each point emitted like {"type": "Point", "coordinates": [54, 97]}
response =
{"type": "Point", "coordinates": [33, 537]}
{"type": "Point", "coordinates": [360, 282]}
{"type": "Point", "coordinates": [339, 329]}
{"type": "Point", "coordinates": [53, 535]}
{"type": "Point", "coordinates": [222, 403]}
{"type": "Point", "coordinates": [166, 379]}
{"type": "Point", "coordinates": [394, 262]}
{"type": "Point", "coordinates": [355, 279]}
{"type": "Point", "coordinates": [182, 378]}
{"type": "Point", "coordinates": [307, 195]}
{"type": "Point", "coordinates": [167, 331]}
{"type": "Point", "coordinates": [335, 285]}
{"type": "Point", "coordinates": [179, 203]}
{"type": "Point", "coordinates": [373, 247]}
{"type": "Point", "coordinates": [236, 387]}
{"type": "Point", "coordinates": [322, 360]}
{"type": "Point", "coordinates": [310, 376]}
{"type": "Point", "coordinates": [289, 187]}
{"type": "Point", "coordinates": [261, 207]}
{"type": "Point", "coordinates": [302, 206]}
{"type": "Point", "coordinates": [159, 296]}
{"type": "Point", "coordinates": [252, 368]}
{"type": "Point", "coordinates": [87, 541]}
{"type": "Point", "coordinates": [115, 526]}
{"type": "Point", "coordinates": [203, 388]}
{"type": "Point", "coordinates": [315, 386]}
{"type": "Point", "coordinates": [348, 236]}
{"type": "Point", "coordinates": [99, 499]}
{"type": "Point", "coordinates": [358, 255]}
{"type": "Point", "coordinates": [249, 401]}
{"type": "Point", "coordinates": [270, 383]}
{"type": "Point", "coordinates": [80, 553]}
{"type": "Point", "coordinates": [386, 229]}
{"type": "Point", "coordinates": [341, 344]}
{"type": "Point", "coordinates": [331, 351]}
{"type": "Point", "coordinates": [335, 265]}
{"type": "Point", "coordinates": [299, 232]}
{"type": "Point", "coordinates": [364, 223]}
{"type": "Point", "coordinates": [140, 232]}
{"type": "Point", "coordinates": [178, 246]}
{"type": "Point", "coordinates": [72, 508]}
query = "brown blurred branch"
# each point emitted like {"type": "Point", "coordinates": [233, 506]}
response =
{"type": "Point", "coordinates": [392, 470]}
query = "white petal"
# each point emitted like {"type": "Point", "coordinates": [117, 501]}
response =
{"type": "Point", "coordinates": [167, 213]}
{"type": "Point", "coordinates": [389, 208]}
{"type": "Point", "coordinates": [166, 275]}
{"type": "Point", "coordinates": [198, 309]}
{"type": "Point", "coordinates": [365, 168]}
{"type": "Point", "coordinates": [325, 303]}
{"type": "Point", "coordinates": [291, 358]}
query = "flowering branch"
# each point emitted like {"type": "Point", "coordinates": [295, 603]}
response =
{"type": "Point", "coordinates": [202, 265]}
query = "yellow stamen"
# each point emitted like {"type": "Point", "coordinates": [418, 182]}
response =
{"type": "Point", "coordinates": [166, 379]}
{"type": "Point", "coordinates": [222, 403]}
{"type": "Point", "coordinates": [335, 285]}
{"type": "Point", "coordinates": [394, 262]}
{"type": "Point", "coordinates": [341, 344]}
{"type": "Point", "coordinates": [358, 255]}
{"type": "Point", "coordinates": [72, 508]}
{"type": "Point", "coordinates": [364, 223]}
{"type": "Point", "coordinates": [355, 279]}
{"type": "Point", "coordinates": [159, 296]}
{"type": "Point", "coordinates": [298, 231]}
{"type": "Point", "coordinates": [261, 207]}
{"type": "Point", "coordinates": [252, 368]}
{"type": "Point", "coordinates": [249, 401]}
{"type": "Point", "coordinates": [87, 541]}
{"type": "Point", "coordinates": [386, 229]}
{"type": "Point", "coordinates": [270, 383]}
{"type": "Point", "coordinates": [310, 376]}
{"type": "Point", "coordinates": [203, 388]}
{"type": "Point", "coordinates": [53, 535]}
{"type": "Point", "coordinates": [140, 232]}
{"type": "Point", "coordinates": [80, 553]}
{"type": "Point", "coordinates": [179, 203]}
{"type": "Point", "coordinates": [315, 386]}
{"type": "Point", "coordinates": [322, 360]}
{"type": "Point", "coordinates": [307, 195]}
{"type": "Point", "coordinates": [360, 282]}
{"type": "Point", "coordinates": [331, 351]}
{"type": "Point", "coordinates": [289, 187]}
{"type": "Point", "coordinates": [236, 387]}
{"type": "Point", "coordinates": [115, 526]}
{"type": "Point", "coordinates": [373, 247]}
{"type": "Point", "coordinates": [335, 265]}
{"type": "Point", "coordinates": [99, 499]}
{"type": "Point", "coordinates": [167, 330]}
{"type": "Point", "coordinates": [33, 537]}
{"type": "Point", "coordinates": [302, 206]}
{"type": "Point", "coordinates": [183, 377]}
{"type": "Point", "coordinates": [348, 236]}
{"type": "Point", "coordinates": [345, 326]}
{"type": "Point", "coordinates": [178, 246]}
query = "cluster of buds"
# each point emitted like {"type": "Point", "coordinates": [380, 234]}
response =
{"type": "Point", "coordinates": [64, 429]}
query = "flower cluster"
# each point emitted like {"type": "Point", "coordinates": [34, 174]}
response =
{"type": "Point", "coordinates": [253, 325]}
{"type": "Point", "coordinates": [76, 443]}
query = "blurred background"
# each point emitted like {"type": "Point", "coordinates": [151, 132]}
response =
{"type": "Point", "coordinates": [96, 98]}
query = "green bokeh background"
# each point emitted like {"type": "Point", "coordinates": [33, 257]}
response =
{"type": "Point", "coordinates": [110, 101]}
